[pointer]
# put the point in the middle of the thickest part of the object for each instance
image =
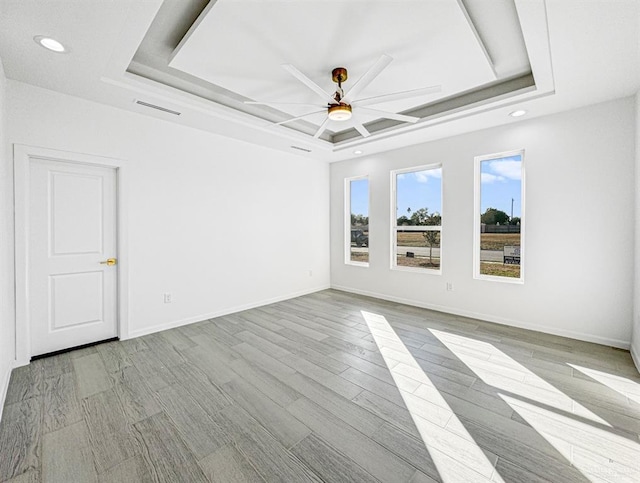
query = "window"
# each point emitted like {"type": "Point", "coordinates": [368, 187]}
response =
{"type": "Point", "coordinates": [417, 218]}
{"type": "Point", "coordinates": [499, 217]}
{"type": "Point", "coordinates": [357, 221]}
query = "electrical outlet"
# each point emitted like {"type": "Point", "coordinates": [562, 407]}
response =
{"type": "Point", "coordinates": [449, 286]}
{"type": "Point", "coordinates": [167, 298]}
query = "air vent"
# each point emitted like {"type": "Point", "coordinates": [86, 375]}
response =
{"type": "Point", "coordinates": [159, 108]}
{"type": "Point", "coordinates": [301, 149]}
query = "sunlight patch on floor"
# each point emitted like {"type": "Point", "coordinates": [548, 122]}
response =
{"type": "Point", "coordinates": [590, 443]}
{"type": "Point", "coordinates": [431, 413]}
{"type": "Point", "coordinates": [598, 454]}
{"type": "Point", "coordinates": [625, 386]}
{"type": "Point", "coordinates": [513, 377]}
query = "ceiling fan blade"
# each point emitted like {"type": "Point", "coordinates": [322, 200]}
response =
{"type": "Point", "coordinates": [362, 130]}
{"type": "Point", "coordinates": [397, 96]}
{"type": "Point", "coordinates": [388, 115]}
{"type": "Point", "coordinates": [299, 117]}
{"type": "Point", "coordinates": [256, 103]}
{"type": "Point", "coordinates": [326, 97]}
{"type": "Point", "coordinates": [367, 77]}
{"type": "Point", "coordinates": [321, 129]}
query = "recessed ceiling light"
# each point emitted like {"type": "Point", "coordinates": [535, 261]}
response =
{"type": "Point", "coordinates": [357, 151]}
{"type": "Point", "coordinates": [50, 44]}
{"type": "Point", "coordinates": [518, 113]}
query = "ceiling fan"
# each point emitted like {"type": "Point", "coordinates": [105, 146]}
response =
{"type": "Point", "coordinates": [341, 106]}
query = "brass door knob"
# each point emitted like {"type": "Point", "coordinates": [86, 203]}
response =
{"type": "Point", "coordinates": [109, 262]}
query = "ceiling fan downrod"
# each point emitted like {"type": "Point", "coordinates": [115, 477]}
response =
{"type": "Point", "coordinates": [340, 111]}
{"type": "Point", "coordinates": [339, 75]}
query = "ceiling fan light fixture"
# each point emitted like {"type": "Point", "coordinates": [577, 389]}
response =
{"type": "Point", "coordinates": [340, 112]}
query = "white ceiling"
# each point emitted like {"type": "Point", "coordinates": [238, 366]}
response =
{"type": "Point", "coordinates": [579, 53]}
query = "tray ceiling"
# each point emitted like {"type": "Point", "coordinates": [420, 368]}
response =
{"type": "Point", "coordinates": [226, 52]}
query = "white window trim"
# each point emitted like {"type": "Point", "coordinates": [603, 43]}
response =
{"type": "Point", "coordinates": [347, 219]}
{"type": "Point", "coordinates": [476, 218]}
{"type": "Point", "coordinates": [394, 220]}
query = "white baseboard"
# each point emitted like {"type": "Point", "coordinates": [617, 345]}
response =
{"type": "Point", "coordinates": [220, 313]}
{"type": "Point", "coordinates": [491, 318]}
{"type": "Point", "coordinates": [5, 386]}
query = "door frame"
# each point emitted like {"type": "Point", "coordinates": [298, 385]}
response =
{"type": "Point", "coordinates": [22, 156]}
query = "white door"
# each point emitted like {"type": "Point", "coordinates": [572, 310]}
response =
{"type": "Point", "coordinates": [72, 233]}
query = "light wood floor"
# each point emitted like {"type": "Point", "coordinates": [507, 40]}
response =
{"type": "Point", "coordinates": [327, 387]}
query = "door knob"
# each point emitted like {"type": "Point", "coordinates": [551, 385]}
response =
{"type": "Point", "coordinates": [109, 261]}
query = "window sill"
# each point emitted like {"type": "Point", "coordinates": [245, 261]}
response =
{"type": "Point", "coordinates": [417, 270]}
{"type": "Point", "coordinates": [358, 264]}
{"type": "Point", "coordinates": [493, 278]}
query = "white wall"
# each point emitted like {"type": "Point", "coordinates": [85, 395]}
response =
{"type": "Point", "coordinates": [635, 339]}
{"type": "Point", "coordinates": [222, 225]}
{"type": "Point", "coordinates": [7, 333]}
{"type": "Point", "coordinates": [579, 222]}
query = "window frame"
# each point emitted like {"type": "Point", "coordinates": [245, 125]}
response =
{"type": "Point", "coordinates": [394, 219]}
{"type": "Point", "coordinates": [347, 219]}
{"type": "Point", "coordinates": [477, 177]}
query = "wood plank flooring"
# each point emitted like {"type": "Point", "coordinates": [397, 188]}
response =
{"type": "Point", "coordinates": [327, 387]}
